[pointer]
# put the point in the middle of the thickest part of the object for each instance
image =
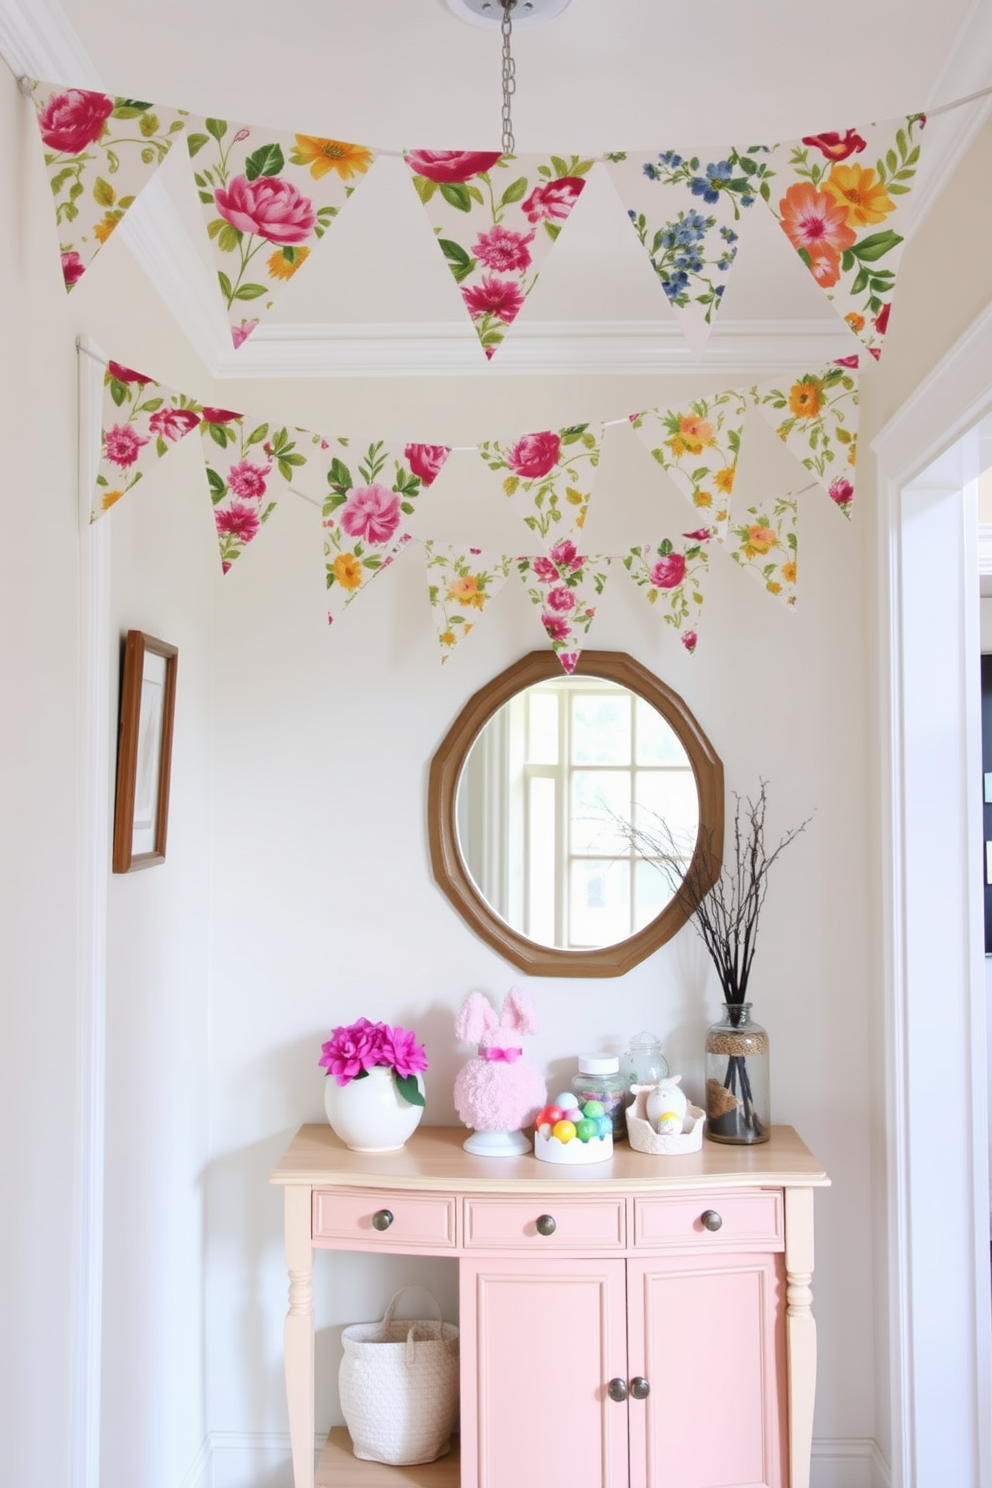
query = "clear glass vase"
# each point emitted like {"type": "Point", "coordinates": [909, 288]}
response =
{"type": "Point", "coordinates": [737, 1078]}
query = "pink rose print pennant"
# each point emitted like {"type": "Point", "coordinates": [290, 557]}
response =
{"type": "Point", "coordinates": [141, 422]}
{"type": "Point", "coordinates": [765, 544]}
{"type": "Point", "coordinates": [816, 418]}
{"type": "Point", "coordinates": [245, 460]}
{"type": "Point", "coordinates": [267, 199]}
{"type": "Point", "coordinates": [688, 212]}
{"type": "Point", "coordinates": [564, 584]}
{"type": "Point", "coordinates": [698, 445]}
{"type": "Point", "coordinates": [461, 583]}
{"type": "Point", "coordinates": [100, 151]}
{"type": "Point", "coordinates": [496, 217]}
{"type": "Point", "coordinates": [671, 576]}
{"type": "Point", "coordinates": [837, 197]}
{"type": "Point", "coordinates": [549, 477]}
{"type": "Point", "coordinates": [367, 498]}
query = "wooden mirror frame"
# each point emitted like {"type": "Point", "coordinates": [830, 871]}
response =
{"type": "Point", "coordinates": [449, 867]}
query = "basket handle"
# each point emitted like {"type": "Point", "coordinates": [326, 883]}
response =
{"type": "Point", "coordinates": [387, 1316]}
{"type": "Point", "coordinates": [433, 1328]}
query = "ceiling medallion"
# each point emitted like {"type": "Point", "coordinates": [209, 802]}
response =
{"type": "Point", "coordinates": [490, 12]}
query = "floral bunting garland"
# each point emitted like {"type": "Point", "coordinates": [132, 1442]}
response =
{"type": "Point", "coordinates": [817, 420]}
{"type": "Point", "coordinates": [239, 477]}
{"type": "Point", "coordinates": [766, 545]}
{"type": "Point", "coordinates": [496, 218]}
{"type": "Point", "coordinates": [698, 445]}
{"type": "Point", "coordinates": [461, 583]}
{"type": "Point", "coordinates": [99, 152]}
{"type": "Point", "coordinates": [270, 194]}
{"type": "Point", "coordinates": [672, 580]}
{"type": "Point", "coordinates": [545, 480]}
{"type": "Point", "coordinates": [564, 584]}
{"type": "Point", "coordinates": [141, 422]}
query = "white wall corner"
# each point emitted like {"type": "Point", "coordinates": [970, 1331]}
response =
{"type": "Point", "coordinates": [200, 1474]}
{"type": "Point", "coordinates": [847, 1463]}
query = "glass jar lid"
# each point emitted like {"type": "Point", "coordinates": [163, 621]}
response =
{"type": "Point", "coordinates": [599, 1064]}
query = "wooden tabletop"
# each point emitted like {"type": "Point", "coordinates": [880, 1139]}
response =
{"type": "Point", "coordinates": [434, 1159]}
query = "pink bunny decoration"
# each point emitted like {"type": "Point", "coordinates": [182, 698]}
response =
{"type": "Point", "coordinates": [499, 1090]}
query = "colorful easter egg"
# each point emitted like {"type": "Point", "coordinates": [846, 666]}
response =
{"type": "Point", "coordinates": [586, 1129]}
{"type": "Point", "coordinates": [567, 1101]}
{"type": "Point", "coordinates": [549, 1115]}
{"type": "Point", "coordinates": [593, 1108]}
{"type": "Point", "coordinates": [605, 1125]}
{"type": "Point", "coordinates": [564, 1130]}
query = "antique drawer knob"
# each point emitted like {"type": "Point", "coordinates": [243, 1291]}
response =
{"type": "Point", "coordinates": [617, 1389]}
{"type": "Point", "coordinates": [710, 1220]}
{"type": "Point", "coordinates": [639, 1387]}
{"type": "Point", "coordinates": [382, 1219]}
{"type": "Point", "coordinates": [546, 1224]}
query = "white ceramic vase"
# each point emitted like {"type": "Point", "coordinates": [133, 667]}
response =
{"type": "Point", "coordinates": [370, 1114]}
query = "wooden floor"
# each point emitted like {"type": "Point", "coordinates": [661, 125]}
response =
{"type": "Point", "coordinates": [340, 1468]}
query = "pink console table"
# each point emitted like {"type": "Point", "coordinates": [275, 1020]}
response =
{"type": "Point", "coordinates": [642, 1321]}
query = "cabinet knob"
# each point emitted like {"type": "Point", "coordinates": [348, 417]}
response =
{"type": "Point", "coordinates": [382, 1219]}
{"type": "Point", "coordinates": [617, 1389]}
{"type": "Point", "coordinates": [710, 1220]}
{"type": "Point", "coordinates": [546, 1224]}
{"type": "Point", "coordinates": [639, 1387]}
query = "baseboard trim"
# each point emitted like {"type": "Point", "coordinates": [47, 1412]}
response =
{"type": "Point", "coordinates": [200, 1472]}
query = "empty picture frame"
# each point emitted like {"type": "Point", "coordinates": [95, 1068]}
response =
{"type": "Point", "coordinates": [144, 752]}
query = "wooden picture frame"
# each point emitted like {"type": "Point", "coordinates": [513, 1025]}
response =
{"type": "Point", "coordinates": [144, 752]}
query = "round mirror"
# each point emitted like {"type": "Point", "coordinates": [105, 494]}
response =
{"type": "Point", "coordinates": [537, 798]}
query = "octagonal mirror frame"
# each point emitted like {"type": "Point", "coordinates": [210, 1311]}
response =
{"type": "Point", "coordinates": [453, 876]}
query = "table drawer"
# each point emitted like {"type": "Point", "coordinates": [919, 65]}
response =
{"type": "Point", "coordinates": [374, 1219]}
{"type": "Point", "coordinates": [520, 1223]}
{"type": "Point", "coordinates": [750, 1220]}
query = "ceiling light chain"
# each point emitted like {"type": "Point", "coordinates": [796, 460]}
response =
{"type": "Point", "coordinates": [509, 75]}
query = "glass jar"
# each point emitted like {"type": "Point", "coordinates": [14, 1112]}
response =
{"type": "Point", "coordinates": [737, 1083]}
{"type": "Point", "coordinates": [644, 1063]}
{"type": "Point", "coordinates": [599, 1078]}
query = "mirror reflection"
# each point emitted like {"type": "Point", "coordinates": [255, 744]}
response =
{"type": "Point", "coordinates": [542, 800]}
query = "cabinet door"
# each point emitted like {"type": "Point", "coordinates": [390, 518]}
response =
{"type": "Point", "coordinates": [540, 1341]}
{"type": "Point", "coordinates": [708, 1334]}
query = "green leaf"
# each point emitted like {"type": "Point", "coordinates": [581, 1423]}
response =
{"type": "Point", "coordinates": [225, 289]}
{"type": "Point", "coordinates": [454, 252]}
{"type": "Point", "coordinates": [149, 125]}
{"type": "Point", "coordinates": [249, 291]}
{"type": "Point", "coordinates": [456, 195]}
{"type": "Point", "coordinates": [118, 391]}
{"type": "Point", "coordinates": [216, 127]}
{"type": "Point", "coordinates": [514, 192]}
{"type": "Point", "coordinates": [206, 197]}
{"type": "Point", "coordinates": [217, 225]}
{"type": "Point", "coordinates": [560, 168]}
{"type": "Point", "coordinates": [196, 142]}
{"type": "Point", "coordinates": [217, 485]}
{"type": "Point", "coordinates": [128, 108]}
{"type": "Point", "coordinates": [267, 161]}
{"type": "Point", "coordinates": [339, 476]}
{"type": "Point", "coordinates": [257, 435]}
{"type": "Point", "coordinates": [409, 1089]}
{"type": "Point", "coordinates": [425, 189]}
{"type": "Point", "coordinates": [876, 246]}
{"type": "Point", "coordinates": [228, 237]}
{"type": "Point", "coordinates": [219, 435]}
{"type": "Point", "coordinates": [552, 229]}
{"type": "Point", "coordinates": [861, 282]}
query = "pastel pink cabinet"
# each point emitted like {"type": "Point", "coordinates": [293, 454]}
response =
{"type": "Point", "coordinates": [649, 1327]}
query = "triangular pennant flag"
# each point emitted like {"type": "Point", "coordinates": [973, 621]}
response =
{"type": "Point", "coordinates": [461, 583]}
{"type": "Point", "coordinates": [368, 495]}
{"type": "Point", "coordinates": [99, 152]}
{"type": "Point", "coordinates": [766, 545]}
{"type": "Point", "coordinates": [141, 421]}
{"type": "Point", "coordinates": [816, 418]}
{"type": "Point", "coordinates": [671, 576]}
{"type": "Point", "coordinates": [565, 584]}
{"type": "Point", "coordinates": [267, 198]}
{"type": "Point", "coordinates": [246, 459]}
{"type": "Point", "coordinates": [698, 444]}
{"type": "Point", "coordinates": [688, 212]}
{"type": "Point", "coordinates": [549, 477]}
{"type": "Point", "coordinates": [838, 199]}
{"type": "Point", "coordinates": [496, 217]}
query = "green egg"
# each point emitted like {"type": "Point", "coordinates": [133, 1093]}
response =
{"type": "Point", "coordinates": [586, 1129]}
{"type": "Point", "coordinates": [594, 1108]}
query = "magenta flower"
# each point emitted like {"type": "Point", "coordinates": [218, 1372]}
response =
{"type": "Point", "coordinates": [219, 416]}
{"type": "Point", "coordinates": [505, 251]}
{"type": "Point", "coordinates": [173, 423]}
{"type": "Point", "coordinates": [566, 556]}
{"type": "Point", "coordinates": [500, 297]}
{"type": "Point", "coordinates": [848, 361]}
{"type": "Point", "coordinates": [535, 455]}
{"type": "Point", "coordinates": [426, 460]}
{"type": "Point", "coordinates": [841, 491]}
{"type": "Point", "coordinates": [72, 120]}
{"type": "Point", "coordinates": [267, 206]}
{"type": "Point", "coordinates": [371, 512]}
{"type": "Point", "coordinates": [557, 626]}
{"type": "Point", "coordinates": [122, 445]}
{"type": "Point", "coordinates": [240, 334]}
{"type": "Point", "coordinates": [247, 480]}
{"type": "Point", "coordinates": [400, 1049]}
{"type": "Point", "coordinates": [73, 268]}
{"type": "Point", "coordinates": [689, 639]}
{"type": "Point", "coordinates": [569, 660]}
{"type": "Point", "coordinates": [451, 165]}
{"type": "Point", "coordinates": [561, 599]}
{"type": "Point", "coordinates": [353, 1049]}
{"type": "Point", "coordinates": [701, 534]}
{"type": "Point", "coordinates": [553, 200]}
{"type": "Point", "coordinates": [545, 571]}
{"type": "Point", "coordinates": [127, 374]}
{"type": "Point", "coordinates": [237, 520]}
{"type": "Point", "coordinates": [669, 572]}
{"type": "Point", "coordinates": [836, 146]}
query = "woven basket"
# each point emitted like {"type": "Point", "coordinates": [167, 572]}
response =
{"type": "Point", "coordinates": [399, 1386]}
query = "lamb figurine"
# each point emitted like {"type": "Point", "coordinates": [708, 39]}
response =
{"type": "Point", "coordinates": [499, 1090]}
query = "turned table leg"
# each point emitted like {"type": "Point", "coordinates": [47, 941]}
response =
{"type": "Point", "coordinates": [800, 1331]}
{"type": "Point", "coordinates": [299, 1333]}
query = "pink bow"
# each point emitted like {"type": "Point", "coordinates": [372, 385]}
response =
{"type": "Point", "coordinates": [501, 1056]}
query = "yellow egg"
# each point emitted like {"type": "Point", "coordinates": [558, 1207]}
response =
{"type": "Point", "coordinates": [564, 1130]}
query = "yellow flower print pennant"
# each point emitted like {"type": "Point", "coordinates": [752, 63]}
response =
{"type": "Point", "coordinates": [839, 197]}
{"type": "Point", "coordinates": [698, 445]}
{"type": "Point", "coordinates": [670, 575]}
{"type": "Point", "coordinates": [565, 585]}
{"type": "Point", "coordinates": [100, 151]}
{"type": "Point", "coordinates": [247, 461]}
{"type": "Point", "coordinates": [267, 199]}
{"type": "Point", "coordinates": [141, 422]}
{"type": "Point", "coordinates": [765, 543]}
{"type": "Point", "coordinates": [816, 418]}
{"type": "Point", "coordinates": [461, 583]}
{"type": "Point", "coordinates": [548, 477]}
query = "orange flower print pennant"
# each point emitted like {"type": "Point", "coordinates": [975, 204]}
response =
{"type": "Point", "coordinates": [564, 585]}
{"type": "Point", "coordinates": [838, 198]}
{"type": "Point", "coordinates": [369, 496]}
{"type": "Point", "coordinates": [670, 575]}
{"type": "Point", "coordinates": [765, 543]}
{"type": "Point", "coordinates": [247, 462]}
{"type": "Point", "coordinates": [549, 477]}
{"type": "Point", "coordinates": [496, 218]}
{"type": "Point", "coordinates": [267, 198]}
{"type": "Point", "coordinates": [461, 583]}
{"type": "Point", "coordinates": [816, 418]}
{"type": "Point", "coordinates": [141, 422]}
{"type": "Point", "coordinates": [698, 445]}
{"type": "Point", "coordinates": [100, 151]}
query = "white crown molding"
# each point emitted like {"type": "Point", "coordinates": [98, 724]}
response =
{"type": "Point", "coordinates": [966, 71]}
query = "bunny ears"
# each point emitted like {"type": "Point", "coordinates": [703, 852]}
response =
{"type": "Point", "coordinates": [477, 1022]}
